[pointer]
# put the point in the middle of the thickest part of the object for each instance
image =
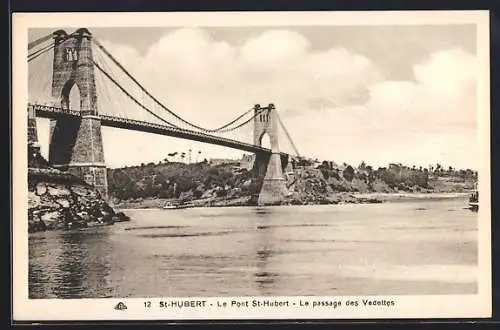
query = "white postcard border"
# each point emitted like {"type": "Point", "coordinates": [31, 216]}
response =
{"type": "Point", "coordinates": [423, 306]}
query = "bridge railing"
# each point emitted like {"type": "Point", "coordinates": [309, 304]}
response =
{"type": "Point", "coordinates": [133, 122]}
{"type": "Point", "coordinates": [52, 110]}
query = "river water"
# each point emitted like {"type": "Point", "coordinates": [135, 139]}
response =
{"type": "Point", "coordinates": [415, 247]}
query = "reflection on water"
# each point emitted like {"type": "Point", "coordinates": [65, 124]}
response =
{"type": "Point", "coordinates": [414, 247]}
{"type": "Point", "coordinates": [70, 264]}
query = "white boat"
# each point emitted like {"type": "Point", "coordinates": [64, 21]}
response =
{"type": "Point", "coordinates": [176, 206]}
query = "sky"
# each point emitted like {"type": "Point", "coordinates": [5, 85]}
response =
{"type": "Point", "coordinates": [379, 94]}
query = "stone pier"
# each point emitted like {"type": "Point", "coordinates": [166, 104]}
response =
{"type": "Point", "coordinates": [273, 188]}
{"type": "Point", "coordinates": [76, 143]}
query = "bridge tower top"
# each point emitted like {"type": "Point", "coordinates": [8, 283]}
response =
{"type": "Point", "coordinates": [266, 122]}
{"type": "Point", "coordinates": [73, 67]}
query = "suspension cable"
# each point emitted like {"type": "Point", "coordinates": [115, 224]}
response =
{"type": "Point", "coordinates": [287, 135]}
{"type": "Point", "coordinates": [130, 96]}
{"type": "Point", "coordinates": [40, 52]}
{"type": "Point", "coordinates": [121, 101]}
{"type": "Point", "coordinates": [244, 123]}
{"type": "Point", "coordinates": [233, 121]}
{"type": "Point", "coordinates": [163, 120]}
{"type": "Point", "coordinates": [155, 99]}
{"type": "Point", "coordinates": [39, 41]}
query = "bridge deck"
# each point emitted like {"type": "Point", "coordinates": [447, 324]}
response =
{"type": "Point", "coordinates": [136, 125]}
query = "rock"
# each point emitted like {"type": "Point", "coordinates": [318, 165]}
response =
{"type": "Point", "coordinates": [46, 201]}
{"type": "Point", "coordinates": [296, 201]}
{"type": "Point", "coordinates": [58, 191]}
{"type": "Point", "coordinates": [231, 194]}
{"type": "Point", "coordinates": [80, 200]}
{"type": "Point", "coordinates": [60, 201]}
{"type": "Point", "coordinates": [34, 200]}
{"type": "Point", "coordinates": [81, 191]}
{"type": "Point", "coordinates": [63, 202]}
{"type": "Point", "coordinates": [186, 195]}
{"type": "Point", "coordinates": [50, 216]}
{"type": "Point", "coordinates": [208, 194]}
{"type": "Point", "coordinates": [335, 199]}
{"type": "Point", "coordinates": [121, 217]}
{"type": "Point", "coordinates": [40, 189]}
{"type": "Point", "coordinates": [53, 220]}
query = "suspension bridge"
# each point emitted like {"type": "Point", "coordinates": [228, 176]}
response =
{"type": "Point", "coordinates": [109, 95]}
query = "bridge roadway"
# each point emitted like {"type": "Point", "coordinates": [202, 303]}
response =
{"type": "Point", "coordinates": [142, 126]}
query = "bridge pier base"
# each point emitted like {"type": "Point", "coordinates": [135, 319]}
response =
{"type": "Point", "coordinates": [260, 165]}
{"type": "Point", "coordinates": [76, 146]}
{"type": "Point", "coordinates": [273, 187]}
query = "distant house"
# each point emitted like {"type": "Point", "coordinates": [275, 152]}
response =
{"type": "Point", "coordinates": [247, 161]}
{"type": "Point", "coordinates": [221, 161]}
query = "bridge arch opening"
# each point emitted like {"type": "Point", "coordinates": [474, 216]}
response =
{"type": "Point", "coordinates": [70, 96]}
{"type": "Point", "coordinates": [265, 140]}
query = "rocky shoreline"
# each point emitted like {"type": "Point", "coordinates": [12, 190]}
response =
{"type": "Point", "coordinates": [206, 185]}
{"type": "Point", "coordinates": [60, 201]}
{"type": "Point", "coordinates": [342, 198]}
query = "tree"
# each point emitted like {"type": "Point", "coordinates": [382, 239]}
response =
{"type": "Point", "coordinates": [438, 168]}
{"type": "Point", "coordinates": [348, 173]}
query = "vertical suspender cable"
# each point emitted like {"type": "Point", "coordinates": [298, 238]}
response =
{"type": "Point", "coordinates": [287, 135]}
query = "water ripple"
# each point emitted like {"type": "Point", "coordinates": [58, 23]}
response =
{"type": "Point", "coordinates": [261, 251]}
{"type": "Point", "coordinates": [155, 227]}
{"type": "Point", "coordinates": [295, 225]}
{"type": "Point", "coordinates": [219, 233]}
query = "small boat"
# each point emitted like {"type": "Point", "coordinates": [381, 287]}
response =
{"type": "Point", "coordinates": [474, 200]}
{"type": "Point", "coordinates": [176, 206]}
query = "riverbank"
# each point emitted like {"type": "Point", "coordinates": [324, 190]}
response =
{"type": "Point", "coordinates": [207, 185]}
{"type": "Point", "coordinates": [392, 197]}
{"type": "Point", "coordinates": [60, 201]}
{"type": "Point", "coordinates": [341, 198]}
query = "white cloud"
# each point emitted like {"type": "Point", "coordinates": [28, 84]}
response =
{"type": "Point", "coordinates": [335, 103]}
{"type": "Point", "coordinates": [275, 49]}
{"type": "Point", "coordinates": [450, 71]}
{"type": "Point", "coordinates": [429, 120]}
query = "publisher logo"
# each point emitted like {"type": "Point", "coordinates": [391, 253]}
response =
{"type": "Point", "coordinates": [120, 306]}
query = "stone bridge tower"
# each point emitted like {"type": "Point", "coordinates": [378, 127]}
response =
{"type": "Point", "coordinates": [76, 143]}
{"type": "Point", "coordinates": [273, 186]}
